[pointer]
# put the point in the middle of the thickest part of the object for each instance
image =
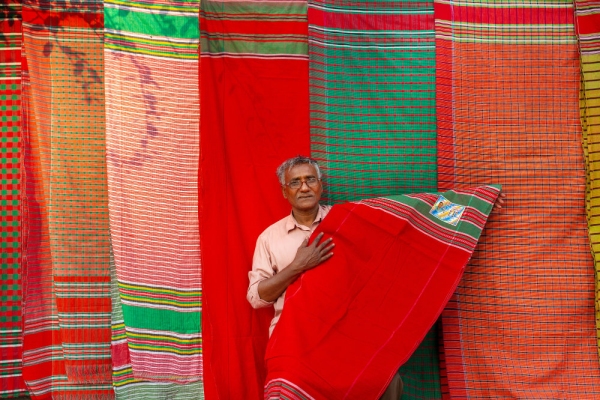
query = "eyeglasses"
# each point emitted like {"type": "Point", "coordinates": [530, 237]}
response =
{"type": "Point", "coordinates": [296, 184]}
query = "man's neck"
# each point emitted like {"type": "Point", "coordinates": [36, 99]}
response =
{"type": "Point", "coordinates": [306, 217]}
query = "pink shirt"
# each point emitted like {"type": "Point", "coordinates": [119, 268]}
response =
{"type": "Point", "coordinates": [275, 249]}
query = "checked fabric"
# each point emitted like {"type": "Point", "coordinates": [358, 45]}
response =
{"type": "Point", "coordinates": [11, 295]}
{"type": "Point", "coordinates": [66, 337]}
{"type": "Point", "coordinates": [587, 22]}
{"type": "Point", "coordinates": [508, 77]}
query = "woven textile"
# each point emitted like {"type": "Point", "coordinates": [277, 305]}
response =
{"type": "Point", "coordinates": [254, 115]}
{"type": "Point", "coordinates": [372, 108]}
{"type": "Point", "coordinates": [152, 156]}
{"type": "Point", "coordinates": [66, 349]}
{"type": "Point", "coordinates": [398, 260]}
{"type": "Point", "coordinates": [11, 350]}
{"type": "Point", "coordinates": [521, 322]}
{"type": "Point", "coordinates": [372, 96]}
{"type": "Point", "coordinates": [126, 386]}
{"type": "Point", "coordinates": [588, 33]}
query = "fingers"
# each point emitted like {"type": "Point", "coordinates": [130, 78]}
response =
{"type": "Point", "coordinates": [499, 201]}
{"type": "Point", "coordinates": [317, 239]}
{"type": "Point", "coordinates": [325, 253]}
{"type": "Point", "coordinates": [321, 251]}
{"type": "Point", "coordinates": [318, 246]}
{"type": "Point", "coordinates": [326, 257]}
{"type": "Point", "coordinates": [328, 248]}
{"type": "Point", "coordinates": [326, 243]}
{"type": "Point", "coordinates": [323, 256]}
{"type": "Point", "coordinates": [304, 243]}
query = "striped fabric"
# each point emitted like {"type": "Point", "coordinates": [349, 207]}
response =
{"type": "Point", "coordinates": [126, 386]}
{"type": "Point", "coordinates": [152, 138]}
{"type": "Point", "coordinates": [254, 115]}
{"type": "Point", "coordinates": [11, 350]}
{"type": "Point", "coordinates": [257, 30]}
{"type": "Point", "coordinates": [372, 96]}
{"type": "Point", "coordinates": [372, 108]}
{"type": "Point", "coordinates": [399, 258]}
{"type": "Point", "coordinates": [521, 322]}
{"type": "Point", "coordinates": [66, 348]}
{"type": "Point", "coordinates": [588, 33]}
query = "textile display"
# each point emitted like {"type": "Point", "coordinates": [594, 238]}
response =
{"type": "Point", "coordinates": [397, 261]}
{"type": "Point", "coordinates": [254, 115]}
{"type": "Point", "coordinates": [66, 315]}
{"type": "Point", "coordinates": [373, 125]}
{"type": "Point", "coordinates": [587, 22]}
{"type": "Point", "coordinates": [521, 323]}
{"type": "Point", "coordinates": [11, 343]}
{"type": "Point", "coordinates": [152, 106]}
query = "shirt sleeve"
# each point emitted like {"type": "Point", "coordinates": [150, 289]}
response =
{"type": "Point", "coordinates": [261, 269]}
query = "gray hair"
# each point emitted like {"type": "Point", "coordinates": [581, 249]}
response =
{"type": "Point", "coordinates": [292, 162]}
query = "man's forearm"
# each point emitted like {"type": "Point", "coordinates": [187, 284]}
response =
{"type": "Point", "coordinates": [271, 288]}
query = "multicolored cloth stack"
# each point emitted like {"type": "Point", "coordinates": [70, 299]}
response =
{"type": "Point", "coordinates": [254, 114]}
{"type": "Point", "coordinates": [152, 155]}
{"type": "Point", "coordinates": [66, 348]}
{"type": "Point", "coordinates": [521, 324]}
{"type": "Point", "coordinates": [11, 333]}
{"type": "Point", "coordinates": [372, 105]}
{"type": "Point", "coordinates": [397, 261]}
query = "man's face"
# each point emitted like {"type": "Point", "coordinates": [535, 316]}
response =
{"type": "Point", "coordinates": [305, 198]}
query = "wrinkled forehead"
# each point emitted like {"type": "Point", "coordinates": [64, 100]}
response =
{"type": "Point", "coordinates": [300, 171]}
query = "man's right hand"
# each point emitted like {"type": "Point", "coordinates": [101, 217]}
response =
{"type": "Point", "coordinates": [309, 256]}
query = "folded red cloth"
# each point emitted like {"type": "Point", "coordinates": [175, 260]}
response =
{"type": "Point", "coordinates": [397, 261]}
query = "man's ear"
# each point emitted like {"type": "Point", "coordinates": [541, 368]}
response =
{"type": "Point", "coordinates": [283, 192]}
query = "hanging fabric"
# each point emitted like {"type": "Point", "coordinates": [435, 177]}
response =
{"type": "Point", "coordinates": [254, 115]}
{"type": "Point", "coordinates": [373, 125]}
{"type": "Point", "coordinates": [152, 114]}
{"type": "Point", "coordinates": [66, 344]}
{"type": "Point", "coordinates": [507, 106]}
{"type": "Point", "coordinates": [587, 22]}
{"type": "Point", "coordinates": [11, 332]}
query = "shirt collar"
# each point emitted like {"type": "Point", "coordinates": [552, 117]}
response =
{"type": "Point", "coordinates": [291, 223]}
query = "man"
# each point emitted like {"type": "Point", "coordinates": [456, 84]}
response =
{"type": "Point", "coordinates": [282, 252]}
